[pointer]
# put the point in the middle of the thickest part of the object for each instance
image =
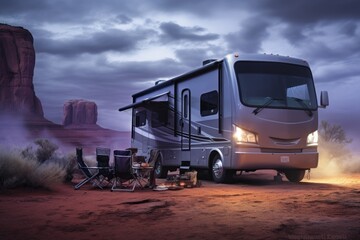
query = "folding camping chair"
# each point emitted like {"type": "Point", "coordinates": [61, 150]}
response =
{"type": "Point", "coordinates": [125, 179]}
{"type": "Point", "coordinates": [103, 158]}
{"type": "Point", "coordinates": [89, 176]}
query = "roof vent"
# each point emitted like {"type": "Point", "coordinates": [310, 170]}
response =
{"type": "Point", "coordinates": [159, 81]}
{"type": "Point", "coordinates": [207, 61]}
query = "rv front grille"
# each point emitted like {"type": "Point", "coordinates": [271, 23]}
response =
{"type": "Point", "coordinates": [276, 150]}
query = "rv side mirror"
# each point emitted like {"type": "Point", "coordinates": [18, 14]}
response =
{"type": "Point", "coordinates": [324, 99]}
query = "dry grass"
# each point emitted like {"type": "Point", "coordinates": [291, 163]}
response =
{"type": "Point", "coordinates": [23, 168]}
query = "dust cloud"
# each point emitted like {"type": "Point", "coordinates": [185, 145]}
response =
{"type": "Point", "coordinates": [336, 159]}
{"type": "Point", "coordinates": [13, 131]}
{"type": "Point", "coordinates": [17, 132]}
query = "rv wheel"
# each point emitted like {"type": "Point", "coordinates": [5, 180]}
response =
{"type": "Point", "coordinates": [294, 175]}
{"type": "Point", "coordinates": [159, 170]}
{"type": "Point", "coordinates": [219, 174]}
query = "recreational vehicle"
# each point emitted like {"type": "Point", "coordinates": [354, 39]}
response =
{"type": "Point", "coordinates": [239, 113]}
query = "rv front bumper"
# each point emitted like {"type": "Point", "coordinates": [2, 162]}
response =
{"type": "Point", "coordinates": [255, 161]}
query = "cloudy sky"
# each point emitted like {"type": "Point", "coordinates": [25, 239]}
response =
{"type": "Point", "coordinates": [105, 51]}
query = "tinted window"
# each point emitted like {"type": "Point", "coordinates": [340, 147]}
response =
{"type": "Point", "coordinates": [286, 85]}
{"type": "Point", "coordinates": [140, 119]}
{"type": "Point", "coordinates": [209, 103]}
{"type": "Point", "coordinates": [159, 114]}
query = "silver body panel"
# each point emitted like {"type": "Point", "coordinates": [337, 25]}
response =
{"type": "Point", "coordinates": [184, 133]}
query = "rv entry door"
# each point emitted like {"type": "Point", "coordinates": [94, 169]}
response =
{"type": "Point", "coordinates": [185, 120]}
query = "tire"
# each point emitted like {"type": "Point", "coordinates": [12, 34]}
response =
{"type": "Point", "coordinates": [219, 174]}
{"type": "Point", "coordinates": [295, 175]}
{"type": "Point", "coordinates": [159, 170]}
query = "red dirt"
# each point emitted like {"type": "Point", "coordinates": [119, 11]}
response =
{"type": "Point", "coordinates": [253, 207]}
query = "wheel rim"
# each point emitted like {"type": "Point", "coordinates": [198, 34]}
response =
{"type": "Point", "coordinates": [218, 168]}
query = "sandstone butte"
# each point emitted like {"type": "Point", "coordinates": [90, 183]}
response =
{"type": "Point", "coordinates": [20, 107]}
{"type": "Point", "coordinates": [79, 112]}
{"type": "Point", "coordinates": [17, 61]}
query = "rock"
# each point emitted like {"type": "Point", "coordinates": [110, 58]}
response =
{"type": "Point", "coordinates": [24, 120]}
{"type": "Point", "coordinates": [17, 61]}
{"type": "Point", "coordinates": [80, 112]}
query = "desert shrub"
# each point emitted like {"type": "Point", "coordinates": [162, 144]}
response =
{"type": "Point", "coordinates": [45, 150]}
{"type": "Point", "coordinates": [16, 170]}
{"type": "Point", "coordinates": [41, 150]}
{"type": "Point", "coordinates": [333, 133]}
{"type": "Point", "coordinates": [68, 163]}
{"type": "Point", "coordinates": [335, 156]}
{"type": "Point", "coordinates": [71, 166]}
{"type": "Point", "coordinates": [28, 153]}
{"type": "Point", "coordinates": [46, 175]}
{"type": "Point", "coordinates": [40, 167]}
{"type": "Point", "coordinates": [333, 138]}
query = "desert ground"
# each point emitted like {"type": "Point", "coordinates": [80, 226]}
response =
{"type": "Point", "coordinates": [254, 206]}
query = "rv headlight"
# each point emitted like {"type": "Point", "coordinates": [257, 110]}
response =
{"type": "Point", "coordinates": [313, 138]}
{"type": "Point", "coordinates": [243, 136]}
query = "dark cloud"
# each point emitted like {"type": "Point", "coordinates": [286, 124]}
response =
{"type": "Point", "coordinates": [93, 43]}
{"type": "Point", "coordinates": [183, 6]}
{"type": "Point", "coordinates": [194, 57]}
{"type": "Point", "coordinates": [203, 8]}
{"type": "Point", "coordinates": [77, 65]}
{"type": "Point", "coordinates": [22, 7]}
{"type": "Point", "coordinates": [342, 71]}
{"type": "Point", "coordinates": [123, 19]}
{"type": "Point", "coordinates": [318, 43]}
{"type": "Point", "coordinates": [309, 12]}
{"type": "Point", "coordinates": [124, 73]}
{"type": "Point", "coordinates": [147, 70]}
{"type": "Point", "coordinates": [173, 32]}
{"type": "Point", "coordinates": [104, 74]}
{"type": "Point", "coordinates": [349, 29]}
{"type": "Point", "coordinates": [65, 11]}
{"type": "Point", "coordinates": [303, 19]}
{"type": "Point", "coordinates": [294, 34]}
{"type": "Point", "coordinates": [250, 36]}
{"type": "Point", "coordinates": [326, 44]}
{"type": "Point", "coordinates": [109, 84]}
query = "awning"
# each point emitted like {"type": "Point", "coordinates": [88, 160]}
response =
{"type": "Point", "coordinates": [143, 102]}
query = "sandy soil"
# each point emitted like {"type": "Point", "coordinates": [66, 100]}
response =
{"type": "Point", "coordinates": [253, 207]}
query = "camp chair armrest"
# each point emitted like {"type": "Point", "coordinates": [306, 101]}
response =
{"type": "Point", "coordinates": [96, 167]}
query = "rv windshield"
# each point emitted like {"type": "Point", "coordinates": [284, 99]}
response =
{"type": "Point", "coordinates": [287, 85]}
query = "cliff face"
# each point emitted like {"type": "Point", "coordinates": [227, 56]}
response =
{"type": "Point", "coordinates": [21, 113]}
{"type": "Point", "coordinates": [79, 112]}
{"type": "Point", "coordinates": [17, 61]}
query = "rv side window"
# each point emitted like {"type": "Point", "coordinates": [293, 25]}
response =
{"type": "Point", "coordinates": [209, 103]}
{"type": "Point", "coordinates": [140, 118]}
{"type": "Point", "coordinates": [159, 114]}
{"type": "Point", "coordinates": [186, 104]}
